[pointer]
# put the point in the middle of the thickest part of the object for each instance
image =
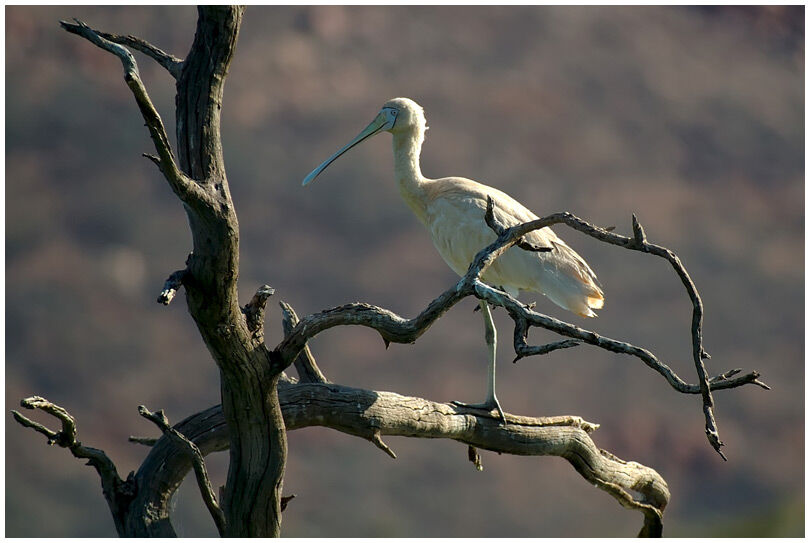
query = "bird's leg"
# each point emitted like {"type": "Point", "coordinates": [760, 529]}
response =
{"type": "Point", "coordinates": [492, 343]}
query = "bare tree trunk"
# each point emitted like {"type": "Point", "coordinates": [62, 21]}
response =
{"type": "Point", "coordinates": [250, 403]}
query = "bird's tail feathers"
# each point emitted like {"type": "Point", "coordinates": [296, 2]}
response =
{"type": "Point", "coordinates": [577, 288]}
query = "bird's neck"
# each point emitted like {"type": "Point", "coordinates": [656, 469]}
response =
{"type": "Point", "coordinates": [407, 148]}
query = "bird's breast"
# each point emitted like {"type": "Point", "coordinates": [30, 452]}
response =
{"type": "Point", "coordinates": [458, 231]}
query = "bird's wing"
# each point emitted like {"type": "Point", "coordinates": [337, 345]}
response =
{"type": "Point", "coordinates": [509, 212]}
{"type": "Point", "coordinates": [456, 208]}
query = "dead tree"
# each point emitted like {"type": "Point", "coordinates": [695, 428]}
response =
{"type": "Point", "coordinates": [260, 403]}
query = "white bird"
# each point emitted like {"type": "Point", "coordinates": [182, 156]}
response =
{"type": "Point", "coordinates": [453, 208]}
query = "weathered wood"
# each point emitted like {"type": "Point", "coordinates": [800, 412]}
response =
{"type": "Point", "coordinates": [197, 460]}
{"type": "Point", "coordinates": [366, 413]}
{"type": "Point", "coordinates": [250, 404]}
{"type": "Point", "coordinates": [305, 365]}
{"type": "Point", "coordinates": [252, 499]}
{"type": "Point", "coordinates": [118, 492]}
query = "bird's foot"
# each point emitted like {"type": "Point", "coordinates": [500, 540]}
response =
{"type": "Point", "coordinates": [488, 406]}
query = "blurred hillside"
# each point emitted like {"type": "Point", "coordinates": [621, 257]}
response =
{"type": "Point", "coordinates": [690, 117]}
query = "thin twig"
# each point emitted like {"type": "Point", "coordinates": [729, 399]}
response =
{"type": "Point", "coordinates": [154, 159]}
{"type": "Point", "coordinates": [185, 188]}
{"type": "Point", "coordinates": [172, 64]}
{"type": "Point", "coordinates": [639, 243]}
{"type": "Point", "coordinates": [305, 365]}
{"type": "Point", "coordinates": [203, 481]}
{"type": "Point", "coordinates": [148, 441]}
{"type": "Point", "coordinates": [117, 492]}
{"type": "Point", "coordinates": [394, 328]}
{"type": "Point", "coordinates": [376, 438]}
{"type": "Point", "coordinates": [523, 349]}
{"type": "Point", "coordinates": [286, 500]}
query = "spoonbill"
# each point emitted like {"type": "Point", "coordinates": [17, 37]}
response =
{"type": "Point", "coordinates": [453, 208]}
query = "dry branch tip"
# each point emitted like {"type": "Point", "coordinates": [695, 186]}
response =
{"type": "Point", "coordinates": [154, 159]}
{"type": "Point", "coordinates": [286, 500]}
{"type": "Point", "coordinates": [376, 438]}
{"type": "Point", "coordinates": [254, 310]}
{"type": "Point", "coordinates": [638, 233]}
{"type": "Point", "coordinates": [148, 441]}
{"type": "Point", "coordinates": [171, 286]}
{"type": "Point", "coordinates": [474, 457]}
{"type": "Point", "coordinates": [305, 365]}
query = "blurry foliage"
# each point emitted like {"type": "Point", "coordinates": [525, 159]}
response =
{"type": "Point", "coordinates": [690, 117]}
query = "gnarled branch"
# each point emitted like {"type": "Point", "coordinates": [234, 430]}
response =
{"type": "Point", "coordinates": [364, 413]}
{"type": "Point", "coordinates": [254, 311]}
{"type": "Point", "coordinates": [172, 64]}
{"type": "Point", "coordinates": [186, 189]}
{"type": "Point", "coordinates": [308, 370]}
{"type": "Point", "coordinates": [117, 492]}
{"type": "Point", "coordinates": [394, 328]}
{"type": "Point", "coordinates": [198, 461]}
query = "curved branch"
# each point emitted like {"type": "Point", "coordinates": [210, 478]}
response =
{"type": "Point", "coordinates": [639, 243]}
{"type": "Point", "coordinates": [117, 492]}
{"type": "Point", "coordinates": [394, 328]}
{"type": "Point", "coordinates": [198, 461]}
{"type": "Point", "coordinates": [305, 365]}
{"type": "Point", "coordinates": [186, 189]}
{"type": "Point", "coordinates": [523, 317]}
{"type": "Point", "coordinates": [172, 64]}
{"type": "Point", "coordinates": [367, 413]}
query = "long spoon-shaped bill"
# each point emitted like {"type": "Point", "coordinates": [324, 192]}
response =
{"type": "Point", "coordinates": [382, 122]}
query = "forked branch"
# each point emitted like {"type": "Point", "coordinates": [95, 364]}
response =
{"type": "Point", "coordinates": [394, 328]}
{"type": "Point", "coordinates": [364, 413]}
{"type": "Point", "coordinates": [172, 64]}
{"type": "Point", "coordinates": [117, 492]}
{"type": "Point", "coordinates": [186, 189]}
{"type": "Point", "coordinates": [305, 365]}
{"type": "Point", "coordinates": [198, 461]}
{"type": "Point", "coordinates": [638, 243]}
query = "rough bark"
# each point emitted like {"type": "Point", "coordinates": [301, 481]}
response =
{"type": "Point", "coordinates": [372, 414]}
{"type": "Point", "coordinates": [250, 403]}
{"type": "Point", "coordinates": [248, 386]}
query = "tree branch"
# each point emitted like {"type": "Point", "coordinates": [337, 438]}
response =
{"type": "Point", "coordinates": [172, 64]}
{"type": "Point", "coordinates": [639, 243]}
{"type": "Point", "coordinates": [252, 501]}
{"type": "Point", "coordinates": [117, 492]}
{"type": "Point", "coordinates": [186, 189]}
{"type": "Point", "coordinates": [363, 413]}
{"type": "Point", "coordinates": [308, 370]}
{"type": "Point", "coordinates": [394, 328]}
{"type": "Point", "coordinates": [171, 286]}
{"type": "Point", "coordinates": [254, 311]}
{"type": "Point", "coordinates": [148, 441]}
{"type": "Point", "coordinates": [198, 461]}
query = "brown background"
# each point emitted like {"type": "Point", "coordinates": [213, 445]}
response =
{"type": "Point", "coordinates": [690, 117]}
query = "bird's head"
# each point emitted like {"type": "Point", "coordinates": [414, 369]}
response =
{"type": "Point", "coordinates": [408, 114]}
{"type": "Point", "coordinates": [397, 115]}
